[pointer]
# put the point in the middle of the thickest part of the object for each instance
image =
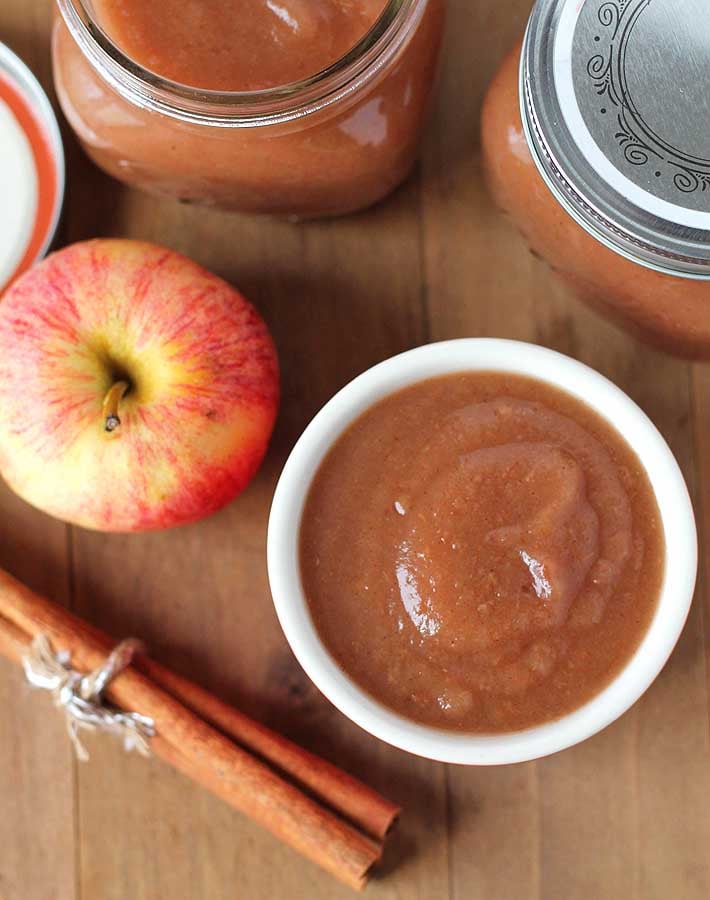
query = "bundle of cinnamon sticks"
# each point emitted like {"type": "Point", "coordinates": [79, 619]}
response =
{"type": "Point", "coordinates": [328, 816]}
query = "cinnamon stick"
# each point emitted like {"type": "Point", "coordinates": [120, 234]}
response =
{"type": "Point", "coordinates": [354, 800]}
{"type": "Point", "coordinates": [193, 746]}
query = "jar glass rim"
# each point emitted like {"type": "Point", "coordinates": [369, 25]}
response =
{"type": "Point", "coordinates": [281, 103]}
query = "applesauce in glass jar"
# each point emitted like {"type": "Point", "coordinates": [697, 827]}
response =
{"type": "Point", "coordinates": [595, 142]}
{"type": "Point", "coordinates": [302, 108]}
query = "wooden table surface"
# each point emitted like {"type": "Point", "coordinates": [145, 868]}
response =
{"type": "Point", "coordinates": [625, 815]}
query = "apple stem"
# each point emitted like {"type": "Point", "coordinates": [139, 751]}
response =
{"type": "Point", "coordinates": [112, 401]}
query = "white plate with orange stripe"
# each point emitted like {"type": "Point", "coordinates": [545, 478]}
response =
{"type": "Point", "coordinates": [31, 169]}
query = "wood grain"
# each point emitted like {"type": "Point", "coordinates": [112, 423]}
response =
{"type": "Point", "coordinates": [623, 816]}
{"type": "Point", "coordinates": [38, 824]}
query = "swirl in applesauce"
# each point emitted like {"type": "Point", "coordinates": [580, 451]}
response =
{"type": "Point", "coordinates": [482, 552]}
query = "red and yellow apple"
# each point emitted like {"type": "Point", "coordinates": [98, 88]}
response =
{"type": "Point", "coordinates": [137, 390]}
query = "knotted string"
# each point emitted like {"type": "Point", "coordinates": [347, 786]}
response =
{"type": "Point", "coordinates": [80, 696]}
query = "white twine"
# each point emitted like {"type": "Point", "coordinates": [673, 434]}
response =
{"type": "Point", "coordinates": [80, 696]}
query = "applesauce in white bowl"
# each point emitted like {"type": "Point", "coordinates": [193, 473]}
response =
{"type": "Point", "coordinates": [387, 671]}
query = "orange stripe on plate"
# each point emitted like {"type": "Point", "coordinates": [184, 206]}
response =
{"type": "Point", "coordinates": [45, 165]}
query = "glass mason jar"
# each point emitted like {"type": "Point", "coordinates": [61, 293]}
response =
{"type": "Point", "coordinates": [595, 142]}
{"type": "Point", "coordinates": [331, 144]}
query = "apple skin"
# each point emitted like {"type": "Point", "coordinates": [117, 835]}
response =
{"type": "Point", "coordinates": [202, 401]}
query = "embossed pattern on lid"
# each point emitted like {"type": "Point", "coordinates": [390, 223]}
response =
{"type": "Point", "coordinates": [615, 96]}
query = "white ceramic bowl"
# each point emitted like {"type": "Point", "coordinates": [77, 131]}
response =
{"type": "Point", "coordinates": [576, 379]}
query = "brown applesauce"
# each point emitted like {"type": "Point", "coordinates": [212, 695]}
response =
{"type": "Point", "coordinates": [670, 312]}
{"type": "Point", "coordinates": [481, 552]}
{"type": "Point", "coordinates": [305, 150]}
{"type": "Point", "coordinates": [236, 45]}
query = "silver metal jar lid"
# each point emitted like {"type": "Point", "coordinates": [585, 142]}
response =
{"type": "Point", "coordinates": [615, 99]}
